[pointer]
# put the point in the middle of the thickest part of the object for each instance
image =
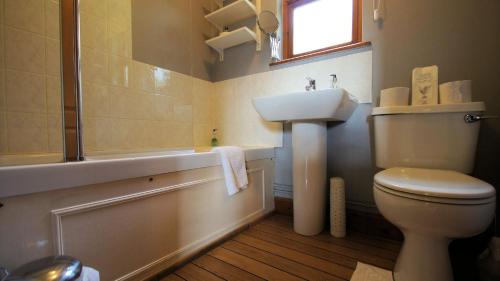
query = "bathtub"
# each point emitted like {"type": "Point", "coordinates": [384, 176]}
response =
{"type": "Point", "coordinates": [129, 216]}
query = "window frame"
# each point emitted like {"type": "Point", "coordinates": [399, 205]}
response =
{"type": "Point", "coordinates": [290, 5]}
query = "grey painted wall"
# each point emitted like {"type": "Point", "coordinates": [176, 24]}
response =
{"type": "Point", "coordinates": [461, 37]}
{"type": "Point", "coordinates": [171, 34]}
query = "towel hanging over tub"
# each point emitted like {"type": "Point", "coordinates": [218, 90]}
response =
{"type": "Point", "coordinates": [232, 159]}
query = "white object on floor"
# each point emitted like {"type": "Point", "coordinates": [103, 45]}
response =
{"type": "Point", "coordinates": [89, 274]}
{"type": "Point", "coordinates": [233, 163]}
{"type": "Point", "coordinates": [455, 92]}
{"type": "Point", "coordinates": [337, 207]}
{"type": "Point", "coordinates": [425, 85]}
{"type": "Point", "coordinates": [396, 96]}
{"type": "Point", "coordinates": [366, 272]}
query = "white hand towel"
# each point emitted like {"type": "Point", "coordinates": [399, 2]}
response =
{"type": "Point", "coordinates": [235, 171]}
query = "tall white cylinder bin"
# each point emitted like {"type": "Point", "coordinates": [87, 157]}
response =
{"type": "Point", "coordinates": [337, 208]}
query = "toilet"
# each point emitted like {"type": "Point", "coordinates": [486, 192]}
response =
{"type": "Point", "coordinates": [427, 152]}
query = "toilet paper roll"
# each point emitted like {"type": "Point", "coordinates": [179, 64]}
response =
{"type": "Point", "coordinates": [455, 92]}
{"type": "Point", "coordinates": [337, 208]}
{"type": "Point", "coordinates": [396, 96]}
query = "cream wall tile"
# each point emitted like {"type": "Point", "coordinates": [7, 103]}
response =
{"type": "Point", "coordinates": [24, 51]}
{"type": "Point", "coordinates": [181, 135]}
{"type": "Point", "coordinates": [202, 102]}
{"type": "Point", "coordinates": [183, 113]}
{"type": "Point", "coordinates": [143, 76]}
{"type": "Point", "coordinates": [2, 18]}
{"type": "Point", "coordinates": [3, 132]}
{"type": "Point", "coordinates": [54, 129]}
{"type": "Point", "coordinates": [120, 69]}
{"type": "Point", "coordinates": [54, 98]}
{"type": "Point", "coordinates": [25, 14]}
{"type": "Point", "coordinates": [2, 43]}
{"type": "Point", "coordinates": [158, 107]}
{"type": "Point", "coordinates": [120, 10]}
{"type": "Point", "coordinates": [126, 104]}
{"type": "Point", "coordinates": [162, 80]}
{"type": "Point", "coordinates": [120, 39]}
{"type": "Point", "coordinates": [97, 136]}
{"type": "Point", "coordinates": [127, 134]}
{"type": "Point", "coordinates": [93, 32]}
{"type": "Point", "coordinates": [97, 8]}
{"type": "Point", "coordinates": [89, 134]}
{"type": "Point", "coordinates": [2, 89]}
{"type": "Point", "coordinates": [53, 57]}
{"type": "Point", "coordinates": [27, 132]}
{"type": "Point", "coordinates": [154, 135]}
{"type": "Point", "coordinates": [25, 92]}
{"type": "Point", "coordinates": [94, 66]}
{"type": "Point", "coordinates": [52, 19]}
{"type": "Point", "coordinates": [202, 134]}
{"type": "Point", "coordinates": [181, 88]}
{"type": "Point", "coordinates": [96, 100]}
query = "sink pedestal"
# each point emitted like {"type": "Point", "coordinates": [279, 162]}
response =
{"type": "Point", "coordinates": [309, 176]}
{"type": "Point", "coordinates": [308, 112]}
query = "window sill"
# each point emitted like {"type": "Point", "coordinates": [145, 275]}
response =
{"type": "Point", "coordinates": [323, 52]}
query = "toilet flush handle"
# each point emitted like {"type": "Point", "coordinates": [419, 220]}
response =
{"type": "Point", "coordinates": [471, 118]}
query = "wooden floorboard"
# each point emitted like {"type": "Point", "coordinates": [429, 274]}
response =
{"type": "Point", "coordinates": [271, 250]}
{"type": "Point", "coordinates": [284, 264]}
{"type": "Point", "coordinates": [224, 270]}
{"type": "Point", "coordinates": [342, 242]}
{"type": "Point", "coordinates": [359, 255]}
{"type": "Point", "coordinates": [195, 273]}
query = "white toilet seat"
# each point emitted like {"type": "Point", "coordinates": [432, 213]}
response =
{"type": "Point", "coordinates": [435, 199]}
{"type": "Point", "coordinates": [438, 186]}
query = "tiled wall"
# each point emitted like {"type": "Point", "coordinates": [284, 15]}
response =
{"type": "Point", "coordinates": [30, 106]}
{"type": "Point", "coordinates": [129, 105]}
{"type": "Point", "coordinates": [132, 106]}
{"type": "Point", "coordinates": [240, 124]}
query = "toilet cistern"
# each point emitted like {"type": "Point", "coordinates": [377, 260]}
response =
{"type": "Point", "coordinates": [308, 114]}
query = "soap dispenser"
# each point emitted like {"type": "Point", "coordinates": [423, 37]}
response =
{"type": "Point", "coordinates": [334, 81]}
{"type": "Point", "coordinates": [214, 142]}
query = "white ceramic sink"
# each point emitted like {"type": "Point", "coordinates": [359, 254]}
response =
{"type": "Point", "coordinates": [325, 105]}
{"type": "Point", "coordinates": [308, 112]}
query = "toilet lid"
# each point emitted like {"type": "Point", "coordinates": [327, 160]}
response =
{"type": "Point", "coordinates": [435, 183]}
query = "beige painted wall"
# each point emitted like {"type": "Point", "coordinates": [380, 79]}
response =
{"type": "Point", "coordinates": [172, 33]}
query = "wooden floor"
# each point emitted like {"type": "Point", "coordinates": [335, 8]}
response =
{"type": "Point", "coordinates": [271, 250]}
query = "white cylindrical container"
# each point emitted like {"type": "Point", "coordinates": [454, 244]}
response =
{"type": "Point", "coordinates": [396, 96]}
{"type": "Point", "coordinates": [337, 208]}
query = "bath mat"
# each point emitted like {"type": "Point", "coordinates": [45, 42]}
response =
{"type": "Point", "coordinates": [366, 272]}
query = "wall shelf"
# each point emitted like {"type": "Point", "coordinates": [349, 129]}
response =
{"type": "Point", "coordinates": [230, 39]}
{"type": "Point", "coordinates": [232, 13]}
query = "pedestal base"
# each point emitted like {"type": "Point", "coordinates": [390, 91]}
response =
{"type": "Point", "coordinates": [309, 177]}
{"type": "Point", "coordinates": [423, 258]}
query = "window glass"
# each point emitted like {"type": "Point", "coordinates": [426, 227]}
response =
{"type": "Point", "coordinates": [321, 24]}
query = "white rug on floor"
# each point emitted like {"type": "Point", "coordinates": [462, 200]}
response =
{"type": "Point", "coordinates": [366, 272]}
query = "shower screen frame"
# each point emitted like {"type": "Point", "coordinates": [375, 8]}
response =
{"type": "Point", "coordinates": [71, 81]}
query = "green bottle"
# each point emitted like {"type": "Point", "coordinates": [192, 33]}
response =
{"type": "Point", "coordinates": [214, 142]}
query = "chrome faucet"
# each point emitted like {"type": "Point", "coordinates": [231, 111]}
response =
{"type": "Point", "coordinates": [312, 84]}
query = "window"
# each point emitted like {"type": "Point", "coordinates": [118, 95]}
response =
{"type": "Point", "coordinates": [318, 26]}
